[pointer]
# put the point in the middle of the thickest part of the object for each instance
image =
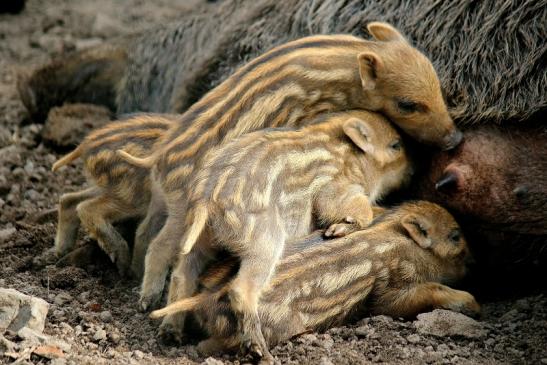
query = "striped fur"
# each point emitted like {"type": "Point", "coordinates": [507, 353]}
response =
{"type": "Point", "coordinates": [119, 190]}
{"type": "Point", "coordinates": [378, 270]}
{"type": "Point", "coordinates": [289, 86]}
{"type": "Point", "coordinates": [258, 191]}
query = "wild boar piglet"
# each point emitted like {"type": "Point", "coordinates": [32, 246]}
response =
{"type": "Point", "coordinates": [288, 86]}
{"type": "Point", "coordinates": [118, 189]}
{"type": "Point", "coordinates": [397, 266]}
{"type": "Point", "coordinates": [253, 194]}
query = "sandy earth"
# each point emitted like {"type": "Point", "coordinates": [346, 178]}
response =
{"type": "Point", "coordinates": [94, 311]}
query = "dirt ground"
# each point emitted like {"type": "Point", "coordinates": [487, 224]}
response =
{"type": "Point", "coordinates": [94, 311]}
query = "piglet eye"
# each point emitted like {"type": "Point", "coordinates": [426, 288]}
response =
{"type": "Point", "coordinates": [455, 236]}
{"type": "Point", "coordinates": [407, 106]}
{"type": "Point", "coordinates": [396, 145]}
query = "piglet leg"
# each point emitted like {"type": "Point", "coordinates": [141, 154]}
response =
{"type": "Point", "coordinates": [409, 302]}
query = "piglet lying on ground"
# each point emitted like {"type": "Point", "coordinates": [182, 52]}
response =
{"type": "Point", "coordinates": [397, 266]}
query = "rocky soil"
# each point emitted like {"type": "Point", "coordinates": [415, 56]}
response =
{"type": "Point", "coordinates": [92, 317]}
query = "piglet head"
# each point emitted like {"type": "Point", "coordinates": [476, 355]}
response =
{"type": "Point", "coordinates": [401, 83]}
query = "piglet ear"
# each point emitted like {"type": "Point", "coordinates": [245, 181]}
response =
{"type": "Point", "coordinates": [360, 133]}
{"type": "Point", "coordinates": [419, 229]}
{"type": "Point", "coordinates": [370, 64]}
{"type": "Point", "coordinates": [384, 32]}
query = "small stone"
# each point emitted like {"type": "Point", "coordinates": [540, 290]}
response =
{"type": "Point", "coordinates": [106, 316]}
{"type": "Point", "coordinates": [99, 335]}
{"type": "Point", "coordinates": [62, 298]}
{"type": "Point", "coordinates": [212, 361]}
{"type": "Point", "coordinates": [544, 361]}
{"type": "Point", "coordinates": [362, 331]}
{"type": "Point", "coordinates": [6, 234]}
{"type": "Point", "coordinates": [18, 310]}
{"type": "Point", "coordinates": [414, 338]}
{"type": "Point", "coordinates": [307, 338]}
{"type": "Point", "coordinates": [58, 313]}
{"type": "Point", "coordinates": [78, 330]}
{"type": "Point", "coordinates": [325, 342]}
{"type": "Point", "coordinates": [84, 297]}
{"type": "Point", "coordinates": [66, 327]}
{"type": "Point", "coordinates": [443, 323]}
{"type": "Point", "coordinates": [138, 354]}
{"type": "Point", "coordinates": [29, 167]}
{"type": "Point", "coordinates": [115, 338]}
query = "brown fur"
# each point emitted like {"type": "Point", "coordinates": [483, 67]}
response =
{"type": "Point", "coordinates": [91, 76]}
{"type": "Point", "coordinates": [397, 266]}
{"type": "Point", "coordinates": [119, 190]}
{"type": "Point", "coordinates": [470, 44]}
{"type": "Point", "coordinates": [263, 189]}
{"type": "Point", "coordinates": [496, 181]}
{"type": "Point", "coordinates": [288, 86]}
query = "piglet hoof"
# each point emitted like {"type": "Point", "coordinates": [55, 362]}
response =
{"type": "Point", "coordinates": [121, 259]}
{"type": "Point", "coordinates": [170, 336]}
{"type": "Point", "coordinates": [147, 302]}
{"type": "Point", "coordinates": [464, 303]}
{"type": "Point", "coordinates": [340, 230]}
{"type": "Point", "coordinates": [267, 359]}
{"type": "Point", "coordinates": [259, 353]}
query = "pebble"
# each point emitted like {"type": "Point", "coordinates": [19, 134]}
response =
{"type": "Point", "coordinates": [99, 335]}
{"type": "Point", "coordinates": [29, 167]}
{"type": "Point", "coordinates": [78, 330]}
{"type": "Point", "coordinates": [362, 331]}
{"type": "Point", "coordinates": [444, 323]}
{"type": "Point", "coordinates": [6, 234]}
{"type": "Point", "coordinates": [84, 297]}
{"type": "Point", "coordinates": [62, 298]}
{"type": "Point", "coordinates": [106, 316]}
{"type": "Point", "coordinates": [325, 342]}
{"type": "Point", "coordinates": [414, 338]}
{"type": "Point", "coordinates": [115, 338]}
{"type": "Point", "coordinates": [138, 354]}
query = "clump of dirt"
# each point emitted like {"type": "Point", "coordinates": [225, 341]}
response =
{"type": "Point", "coordinates": [94, 311]}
